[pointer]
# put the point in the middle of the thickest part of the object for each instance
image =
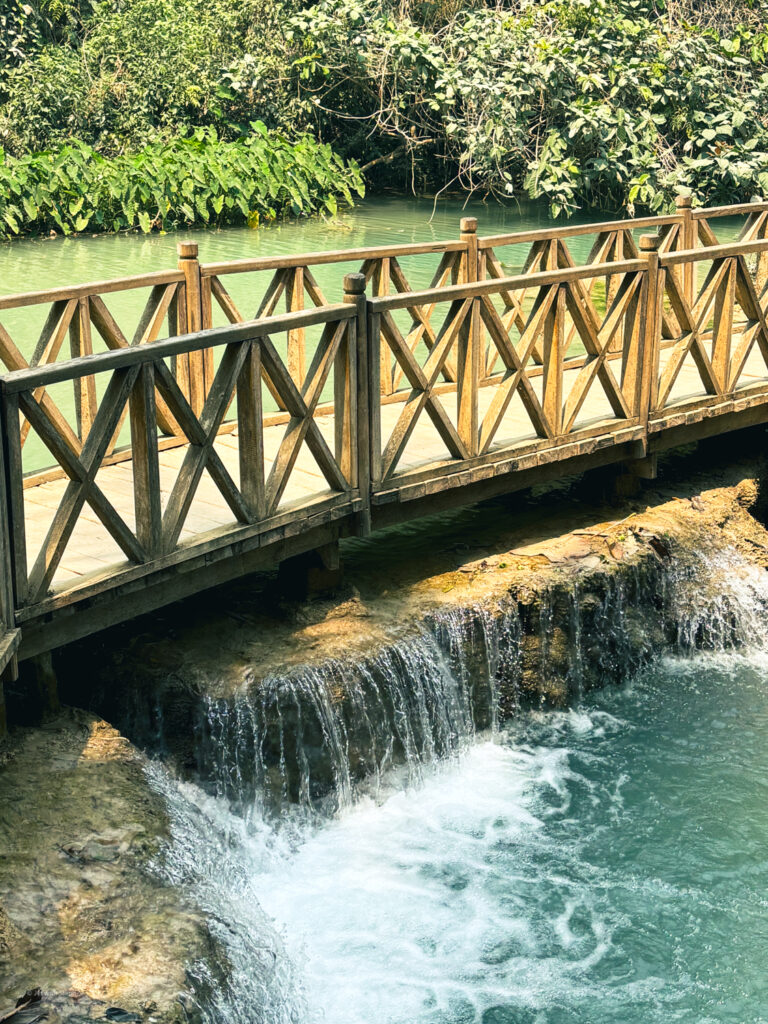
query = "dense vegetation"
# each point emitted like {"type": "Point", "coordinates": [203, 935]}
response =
{"type": "Point", "coordinates": [615, 103]}
{"type": "Point", "coordinates": [166, 184]}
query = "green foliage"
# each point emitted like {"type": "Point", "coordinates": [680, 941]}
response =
{"type": "Point", "coordinates": [21, 30]}
{"type": "Point", "coordinates": [613, 103]}
{"type": "Point", "coordinates": [598, 102]}
{"type": "Point", "coordinates": [138, 70]}
{"type": "Point", "coordinates": [195, 180]}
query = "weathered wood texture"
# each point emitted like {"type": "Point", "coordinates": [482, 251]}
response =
{"type": "Point", "coordinates": [167, 461]}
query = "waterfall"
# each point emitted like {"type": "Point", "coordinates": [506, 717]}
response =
{"type": "Point", "coordinates": [323, 743]}
{"type": "Point", "coordinates": [315, 735]}
{"type": "Point", "coordinates": [273, 770]}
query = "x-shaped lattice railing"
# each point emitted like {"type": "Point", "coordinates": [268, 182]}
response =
{"type": "Point", "coordinates": [728, 285]}
{"type": "Point", "coordinates": [141, 387]}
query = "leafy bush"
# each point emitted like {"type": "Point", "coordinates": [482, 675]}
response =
{"type": "Point", "coordinates": [137, 70]}
{"type": "Point", "coordinates": [186, 181]}
{"type": "Point", "coordinates": [599, 102]}
{"type": "Point", "coordinates": [583, 102]}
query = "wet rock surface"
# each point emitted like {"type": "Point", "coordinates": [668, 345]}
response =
{"type": "Point", "coordinates": [82, 916]}
{"type": "Point", "coordinates": [514, 601]}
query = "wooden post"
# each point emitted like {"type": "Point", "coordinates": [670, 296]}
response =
{"type": "Point", "coordinates": [145, 462]}
{"type": "Point", "coordinates": [469, 361]}
{"type": "Point", "coordinates": [756, 228]}
{"type": "Point", "coordinates": [722, 327]}
{"type": "Point", "coordinates": [373, 394]}
{"type": "Point", "coordinates": [14, 497]}
{"type": "Point", "coordinates": [351, 400]}
{"type": "Point", "coordinates": [641, 369]}
{"type": "Point", "coordinates": [381, 283]}
{"type": "Point", "coordinates": [193, 304]}
{"type": "Point", "coordinates": [313, 573]}
{"type": "Point", "coordinates": [612, 284]}
{"type": "Point", "coordinates": [250, 431]}
{"type": "Point", "coordinates": [81, 344]}
{"type": "Point", "coordinates": [687, 241]}
{"type": "Point", "coordinates": [7, 614]}
{"type": "Point", "coordinates": [297, 341]}
{"type": "Point", "coordinates": [3, 716]}
{"type": "Point", "coordinates": [552, 384]}
{"type": "Point", "coordinates": [651, 328]}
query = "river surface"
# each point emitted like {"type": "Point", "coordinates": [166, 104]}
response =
{"type": "Point", "coordinates": [37, 264]}
{"type": "Point", "coordinates": [33, 264]}
{"type": "Point", "coordinates": [605, 864]}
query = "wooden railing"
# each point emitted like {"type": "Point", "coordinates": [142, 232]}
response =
{"type": "Point", "coordinates": [717, 327]}
{"type": "Point", "coordinates": [643, 359]}
{"type": "Point", "coordinates": [578, 355]}
{"type": "Point", "coordinates": [185, 441]}
{"type": "Point", "coordinates": [193, 296]}
{"type": "Point", "coordinates": [9, 635]}
{"type": "Point", "coordinates": [139, 383]}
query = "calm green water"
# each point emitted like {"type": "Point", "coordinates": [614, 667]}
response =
{"type": "Point", "coordinates": [39, 264]}
{"type": "Point", "coordinates": [47, 263]}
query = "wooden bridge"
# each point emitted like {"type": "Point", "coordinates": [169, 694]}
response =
{"type": "Point", "coordinates": [142, 465]}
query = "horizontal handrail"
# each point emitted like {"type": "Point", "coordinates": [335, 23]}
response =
{"type": "Point", "coordinates": [713, 252]}
{"type": "Point", "coordinates": [572, 230]}
{"type": "Point", "coordinates": [79, 291]}
{"type": "Point", "coordinates": [541, 279]}
{"type": "Point", "coordinates": [98, 362]}
{"type": "Point", "coordinates": [316, 259]}
{"type": "Point", "coordinates": [704, 212]}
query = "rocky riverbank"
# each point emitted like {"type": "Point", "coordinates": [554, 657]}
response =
{"type": "Point", "coordinates": [515, 601]}
{"type": "Point", "coordinates": [82, 915]}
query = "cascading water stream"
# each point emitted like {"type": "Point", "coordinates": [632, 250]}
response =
{"type": "Point", "coordinates": [390, 844]}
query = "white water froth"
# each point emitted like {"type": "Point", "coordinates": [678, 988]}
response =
{"type": "Point", "coordinates": [404, 909]}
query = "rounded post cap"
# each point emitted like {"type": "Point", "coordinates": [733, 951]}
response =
{"type": "Point", "coordinates": [650, 243]}
{"type": "Point", "coordinates": [468, 224]}
{"type": "Point", "coordinates": [187, 250]}
{"type": "Point", "coordinates": [683, 202]}
{"type": "Point", "coordinates": [354, 284]}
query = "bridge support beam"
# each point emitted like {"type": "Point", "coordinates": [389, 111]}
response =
{"type": "Point", "coordinates": [8, 674]}
{"type": "Point", "coordinates": [3, 715]}
{"type": "Point", "coordinates": [315, 572]}
{"type": "Point", "coordinates": [627, 481]}
{"type": "Point", "coordinates": [35, 693]}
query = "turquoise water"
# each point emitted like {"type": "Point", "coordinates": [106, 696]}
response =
{"type": "Point", "coordinates": [606, 864]}
{"type": "Point", "coordinates": [47, 263]}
